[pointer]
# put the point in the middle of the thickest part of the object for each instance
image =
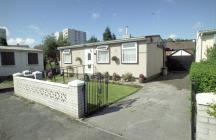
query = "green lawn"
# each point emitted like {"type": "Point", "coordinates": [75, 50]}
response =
{"type": "Point", "coordinates": [117, 92]}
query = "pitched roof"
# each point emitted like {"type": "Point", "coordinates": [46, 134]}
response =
{"type": "Point", "coordinates": [109, 42]}
{"type": "Point", "coordinates": [19, 48]}
{"type": "Point", "coordinates": [176, 45]}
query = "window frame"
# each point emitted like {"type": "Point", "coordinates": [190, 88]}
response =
{"type": "Point", "coordinates": [3, 64]}
{"type": "Point", "coordinates": [103, 48]}
{"type": "Point", "coordinates": [135, 47]}
{"type": "Point", "coordinates": [67, 52]}
{"type": "Point", "coordinates": [37, 62]}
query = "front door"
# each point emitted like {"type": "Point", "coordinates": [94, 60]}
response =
{"type": "Point", "coordinates": [89, 61]}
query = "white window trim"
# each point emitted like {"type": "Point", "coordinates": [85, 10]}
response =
{"type": "Point", "coordinates": [103, 48]}
{"type": "Point", "coordinates": [67, 52]}
{"type": "Point", "coordinates": [125, 62]}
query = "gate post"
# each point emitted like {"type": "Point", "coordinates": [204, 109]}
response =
{"type": "Point", "coordinates": [79, 96]}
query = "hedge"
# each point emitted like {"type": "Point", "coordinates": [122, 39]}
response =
{"type": "Point", "coordinates": [204, 73]}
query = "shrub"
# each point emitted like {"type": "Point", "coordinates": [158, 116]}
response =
{"type": "Point", "coordinates": [128, 77]}
{"type": "Point", "coordinates": [204, 73]}
{"type": "Point", "coordinates": [106, 74]}
{"type": "Point", "coordinates": [116, 77]}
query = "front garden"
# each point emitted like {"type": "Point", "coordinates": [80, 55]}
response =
{"type": "Point", "coordinates": [204, 74]}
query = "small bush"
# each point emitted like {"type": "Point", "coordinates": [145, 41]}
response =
{"type": "Point", "coordinates": [142, 78]}
{"type": "Point", "coordinates": [128, 77]}
{"type": "Point", "coordinates": [116, 77]}
{"type": "Point", "coordinates": [106, 74]}
{"type": "Point", "coordinates": [204, 73]}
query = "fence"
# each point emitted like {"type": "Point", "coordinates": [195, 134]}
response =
{"type": "Point", "coordinates": [65, 98]}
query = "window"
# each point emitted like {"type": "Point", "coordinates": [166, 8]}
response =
{"type": "Point", "coordinates": [129, 52]}
{"type": "Point", "coordinates": [102, 54]}
{"type": "Point", "coordinates": [67, 56]}
{"type": "Point", "coordinates": [89, 56]}
{"type": "Point", "coordinates": [7, 58]}
{"type": "Point", "coordinates": [32, 58]}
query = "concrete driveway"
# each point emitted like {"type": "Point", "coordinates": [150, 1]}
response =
{"type": "Point", "coordinates": [159, 111]}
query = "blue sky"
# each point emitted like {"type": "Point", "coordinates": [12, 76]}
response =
{"type": "Point", "coordinates": [28, 21]}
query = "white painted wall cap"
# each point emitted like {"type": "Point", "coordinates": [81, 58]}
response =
{"type": "Point", "coordinates": [76, 83]}
{"type": "Point", "coordinates": [206, 98]}
{"type": "Point", "coordinates": [18, 74]}
{"type": "Point", "coordinates": [36, 72]}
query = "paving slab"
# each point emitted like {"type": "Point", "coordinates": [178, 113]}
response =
{"type": "Point", "coordinates": [159, 111]}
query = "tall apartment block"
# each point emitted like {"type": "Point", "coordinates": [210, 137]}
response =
{"type": "Point", "coordinates": [72, 36]}
{"type": "Point", "coordinates": [3, 33]}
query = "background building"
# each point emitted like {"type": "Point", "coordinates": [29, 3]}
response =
{"type": "Point", "coordinates": [2, 33]}
{"type": "Point", "coordinates": [72, 36]}
{"type": "Point", "coordinates": [205, 39]}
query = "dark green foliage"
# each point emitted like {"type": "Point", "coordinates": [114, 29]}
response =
{"type": "Point", "coordinates": [107, 35]}
{"type": "Point", "coordinates": [92, 39]}
{"type": "Point", "coordinates": [3, 42]}
{"type": "Point", "coordinates": [211, 54]}
{"type": "Point", "coordinates": [62, 42]}
{"type": "Point", "coordinates": [204, 73]}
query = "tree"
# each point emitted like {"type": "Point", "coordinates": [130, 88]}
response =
{"type": "Point", "coordinates": [169, 39]}
{"type": "Point", "coordinates": [211, 54]}
{"type": "Point", "coordinates": [107, 35]}
{"type": "Point", "coordinates": [3, 42]}
{"type": "Point", "coordinates": [92, 39]}
{"type": "Point", "coordinates": [51, 54]}
{"type": "Point", "coordinates": [61, 41]}
{"type": "Point", "coordinates": [113, 36]}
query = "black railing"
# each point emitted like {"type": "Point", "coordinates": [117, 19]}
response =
{"type": "Point", "coordinates": [96, 92]}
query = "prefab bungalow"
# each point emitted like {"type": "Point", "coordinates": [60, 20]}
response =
{"type": "Point", "coordinates": [137, 55]}
{"type": "Point", "coordinates": [18, 58]}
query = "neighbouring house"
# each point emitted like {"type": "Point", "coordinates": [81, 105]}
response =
{"type": "Point", "coordinates": [180, 54]}
{"type": "Point", "coordinates": [137, 55]}
{"type": "Point", "coordinates": [205, 39]}
{"type": "Point", "coordinates": [18, 58]}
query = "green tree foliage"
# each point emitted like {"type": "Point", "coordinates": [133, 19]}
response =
{"type": "Point", "coordinates": [211, 54]}
{"type": "Point", "coordinates": [51, 54]}
{"type": "Point", "coordinates": [62, 42]}
{"type": "Point", "coordinates": [3, 42]}
{"type": "Point", "coordinates": [107, 35]}
{"type": "Point", "coordinates": [113, 36]}
{"type": "Point", "coordinates": [92, 39]}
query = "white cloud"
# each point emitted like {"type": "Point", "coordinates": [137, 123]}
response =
{"type": "Point", "coordinates": [173, 36]}
{"type": "Point", "coordinates": [22, 41]}
{"type": "Point", "coordinates": [33, 27]}
{"type": "Point", "coordinates": [36, 29]}
{"type": "Point", "coordinates": [197, 26]}
{"type": "Point", "coordinates": [95, 15]}
{"type": "Point", "coordinates": [7, 30]}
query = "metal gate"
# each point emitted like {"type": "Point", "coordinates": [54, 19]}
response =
{"type": "Point", "coordinates": [96, 92]}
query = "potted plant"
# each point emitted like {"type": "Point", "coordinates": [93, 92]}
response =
{"type": "Point", "coordinates": [141, 78]}
{"type": "Point", "coordinates": [116, 59]}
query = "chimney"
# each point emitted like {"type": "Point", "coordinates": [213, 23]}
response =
{"type": "Point", "coordinates": [126, 35]}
